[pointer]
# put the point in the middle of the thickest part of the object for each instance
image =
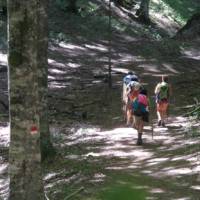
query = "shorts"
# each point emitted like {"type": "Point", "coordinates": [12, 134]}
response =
{"type": "Point", "coordinates": [162, 105]}
{"type": "Point", "coordinates": [142, 116]}
{"type": "Point", "coordinates": [137, 120]}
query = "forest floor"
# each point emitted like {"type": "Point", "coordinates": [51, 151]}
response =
{"type": "Point", "coordinates": [98, 157]}
{"type": "Point", "coordinates": [101, 158]}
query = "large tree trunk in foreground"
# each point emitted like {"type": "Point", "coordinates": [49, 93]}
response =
{"type": "Point", "coordinates": [191, 30]}
{"type": "Point", "coordinates": [143, 11]}
{"type": "Point", "coordinates": [24, 153]}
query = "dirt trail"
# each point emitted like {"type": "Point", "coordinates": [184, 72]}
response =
{"type": "Point", "coordinates": [166, 166]}
{"type": "Point", "coordinates": [100, 152]}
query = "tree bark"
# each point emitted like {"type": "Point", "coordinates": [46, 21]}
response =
{"type": "Point", "coordinates": [46, 145]}
{"type": "Point", "coordinates": [143, 11]}
{"type": "Point", "coordinates": [24, 152]}
{"type": "Point", "coordinates": [72, 7]}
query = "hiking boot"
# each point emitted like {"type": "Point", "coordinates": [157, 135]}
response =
{"type": "Point", "coordinates": [139, 141]}
{"type": "Point", "coordinates": [163, 124]}
{"type": "Point", "coordinates": [159, 123]}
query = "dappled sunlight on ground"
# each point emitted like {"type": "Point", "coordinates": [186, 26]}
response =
{"type": "Point", "coordinates": [4, 135]}
{"type": "Point", "coordinates": [4, 143]}
{"type": "Point", "coordinates": [4, 181]}
{"type": "Point", "coordinates": [98, 47]}
{"type": "Point", "coordinates": [3, 58]}
{"type": "Point", "coordinates": [4, 185]}
{"type": "Point", "coordinates": [166, 23]}
{"type": "Point", "coordinates": [191, 53]}
{"type": "Point", "coordinates": [71, 46]}
{"type": "Point", "coordinates": [165, 155]}
{"type": "Point", "coordinates": [170, 68]}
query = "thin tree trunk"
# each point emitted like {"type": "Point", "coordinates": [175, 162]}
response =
{"type": "Point", "coordinates": [109, 48]}
{"type": "Point", "coordinates": [143, 11]}
{"type": "Point", "coordinates": [46, 145]}
{"type": "Point", "coordinates": [24, 153]}
{"type": "Point", "coordinates": [72, 6]}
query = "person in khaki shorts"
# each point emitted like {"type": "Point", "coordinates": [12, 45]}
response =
{"type": "Point", "coordinates": [162, 92]}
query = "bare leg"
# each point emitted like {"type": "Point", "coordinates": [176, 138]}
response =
{"type": "Point", "coordinates": [135, 125]}
{"type": "Point", "coordinates": [164, 116]}
{"type": "Point", "coordinates": [125, 102]}
{"type": "Point", "coordinates": [141, 125]}
{"type": "Point", "coordinates": [136, 122]}
{"type": "Point", "coordinates": [140, 131]}
{"type": "Point", "coordinates": [129, 117]}
{"type": "Point", "coordinates": [165, 112]}
{"type": "Point", "coordinates": [159, 114]}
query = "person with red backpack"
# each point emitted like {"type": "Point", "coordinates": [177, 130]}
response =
{"type": "Point", "coordinates": [162, 92]}
{"type": "Point", "coordinates": [140, 113]}
{"type": "Point", "coordinates": [131, 88]}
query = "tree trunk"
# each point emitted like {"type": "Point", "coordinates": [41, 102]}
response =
{"type": "Point", "coordinates": [143, 11]}
{"type": "Point", "coordinates": [119, 2]}
{"type": "Point", "coordinates": [24, 153]}
{"type": "Point", "coordinates": [72, 7]}
{"type": "Point", "coordinates": [46, 145]}
{"type": "Point", "coordinates": [3, 7]}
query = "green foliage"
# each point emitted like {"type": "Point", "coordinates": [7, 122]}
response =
{"type": "Point", "coordinates": [179, 10]}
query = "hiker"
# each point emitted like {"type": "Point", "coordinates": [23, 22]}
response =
{"type": "Point", "coordinates": [162, 92]}
{"type": "Point", "coordinates": [140, 113]}
{"type": "Point", "coordinates": [131, 88]}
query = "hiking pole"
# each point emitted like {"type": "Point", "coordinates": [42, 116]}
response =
{"type": "Point", "coordinates": [150, 109]}
{"type": "Point", "coordinates": [152, 129]}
